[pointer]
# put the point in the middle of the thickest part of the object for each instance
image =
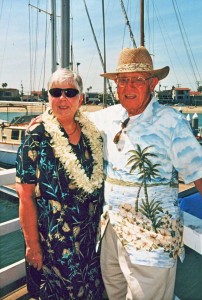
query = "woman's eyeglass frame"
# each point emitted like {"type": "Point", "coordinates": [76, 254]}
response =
{"type": "Point", "coordinates": [68, 92]}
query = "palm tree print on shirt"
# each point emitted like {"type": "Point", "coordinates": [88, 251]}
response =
{"type": "Point", "coordinates": [147, 170]}
{"type": "Point", "coordinates": [147, 226]}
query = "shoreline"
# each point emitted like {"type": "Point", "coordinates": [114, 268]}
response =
{"type": "Point", "coordinates": [189, 109]}
{"type": "Point", "coordinates": [41, 107]}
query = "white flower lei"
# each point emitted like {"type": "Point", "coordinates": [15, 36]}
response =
{"type": "Point", "coordinates": [64, 151]}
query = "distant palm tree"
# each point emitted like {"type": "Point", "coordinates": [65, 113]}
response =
{"type": "Point", "coordinates": [4, 85]}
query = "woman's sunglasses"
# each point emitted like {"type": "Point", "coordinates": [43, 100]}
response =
{"type": "Point", "coordinates": [57, 92]}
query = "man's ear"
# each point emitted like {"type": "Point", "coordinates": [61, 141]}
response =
{"type": "Point", "coordinates": [154, 81]}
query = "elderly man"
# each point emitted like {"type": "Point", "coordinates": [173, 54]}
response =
{"type": "Point", "coordinates": [146, 146]}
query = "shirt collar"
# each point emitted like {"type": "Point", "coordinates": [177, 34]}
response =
{"type": "Point", "coordinates": [146, 116]}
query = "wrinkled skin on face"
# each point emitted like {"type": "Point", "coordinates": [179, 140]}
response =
{"type": "Point", "coordinates": [134, 96]}
{"type": "Point", "coordinates": [65, 108]}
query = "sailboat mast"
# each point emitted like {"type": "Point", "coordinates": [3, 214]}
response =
{"type": "Point", "coordinates": [65, 33]}
{"type": "Point", "coordinates": [53, 35]}
{"type": "Point", "coordinates": [104, 63]}
{"type": "Point", "coordinates": [141, 22]}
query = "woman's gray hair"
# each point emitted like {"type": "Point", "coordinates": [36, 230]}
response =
{"type": "Point", "coordinates": [61, 75]}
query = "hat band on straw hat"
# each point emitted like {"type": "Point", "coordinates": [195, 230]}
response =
{"type": "Point", "coordinates": [133, 60]}
{"type": "Point", "coordinates": [134, 67]}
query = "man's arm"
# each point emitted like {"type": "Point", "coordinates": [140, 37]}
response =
{"type": "Point", "coordinates": [198, 185]}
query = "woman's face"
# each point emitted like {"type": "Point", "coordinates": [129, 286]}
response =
{"type": "Point", "coordinates": [64, 107]}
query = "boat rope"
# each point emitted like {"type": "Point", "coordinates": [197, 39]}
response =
{"type": "Point", "coordinates": [128, 24]}
{"type": "Point", "coordinates": [33, 46]}
{"type": "Point", "coordinates": [98, 48]}
{"type": "Point", "coordinates": [6, 36]}
{"type": "Point", "coordinates": [43, 67]}
{"type": "Point", "coordinates": [186, 41]}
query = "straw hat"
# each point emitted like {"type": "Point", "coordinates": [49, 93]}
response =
{"type": "Point", "coordinates": [136, 60]}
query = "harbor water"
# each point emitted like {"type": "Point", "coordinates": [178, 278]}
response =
{"type": "Point", "coordinates": [9, 116]}
{"type": "Point", "coordinates": [13, 242]}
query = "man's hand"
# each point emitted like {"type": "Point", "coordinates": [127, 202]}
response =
{"type": "Point", "coordinates": [33, 122]}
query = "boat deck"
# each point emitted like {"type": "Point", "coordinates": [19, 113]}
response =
{"type": "Point", "coordinates": [188, 280]}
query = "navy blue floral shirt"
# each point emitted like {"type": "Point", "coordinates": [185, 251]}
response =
{"type": "Point", "coordinates": [67, 218]}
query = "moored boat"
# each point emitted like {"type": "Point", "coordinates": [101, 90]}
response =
{"type": "Point", "coordinates": [11, 135]}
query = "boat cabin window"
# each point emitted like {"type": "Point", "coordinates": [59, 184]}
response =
{"type": "Point", "coordinates": [15, 134]}
{"type": "Point", "coordinates": [22, 134]}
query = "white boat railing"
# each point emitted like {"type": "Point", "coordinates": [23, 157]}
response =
{"type": "Point", "coordinates": [15, 271]}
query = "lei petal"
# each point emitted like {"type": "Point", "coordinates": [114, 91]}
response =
{"type": "Point", "coordinates": [64, 151]}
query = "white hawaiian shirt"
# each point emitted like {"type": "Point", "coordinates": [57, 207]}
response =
{"type": "Point", "coordinates": [141, 188]}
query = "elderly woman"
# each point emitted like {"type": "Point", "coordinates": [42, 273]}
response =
{"type": "Point", "coordinates": [59, 182]}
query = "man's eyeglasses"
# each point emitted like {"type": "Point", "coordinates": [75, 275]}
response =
{"type": "Point", "coordinates": [57, 92]}
{"type": "Point", "coordinates": [123, 81]}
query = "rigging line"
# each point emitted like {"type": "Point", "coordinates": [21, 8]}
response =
{"type": "Point", "coordinates": [148, 24]}
{"type": "Point", "coordinates": [170, 43]}
{"type": "Point", "coordinates": [45, 50]}
{"type": "Point", "coordinates": [128, 24]}
{"type": "Point", "coordinates": [36, 44]}
{"type": "Point", "coordinates": [5, 43]}
{"type": "Point", "coordinates": [45, 46]}
{"type": "Point", "coordinates": [124, 31]}
{"type": "Point", "coordinates": [94, 35]}
{"type": "Point", "coordinates": [58, 48]}
{"type": "Point", "coordinates": [165, 41]}
{"type": "Point", "coordinates": [57, 41]}
{"type": "Point", "coordinates": [99, 52]}
{"type": "Point", "coordinates": [96, 40]}
{"type": "Point", "coordinates": [72, 60]}
{"type": "Point", "coordinates": [2, 3]}
{"type": "Point", "coordinates": [71, 27]}
{"type": "Point", "coordinates": [151, 27]}
{"type": "Point", "coordinates": [188, 42]}
{"type": "Point", "coordinates": [30, 48]}
{"type": "Point", "coordinates": [43, 67]}
{"type": "Point", "coordinates": [135, 15]}
{"type": "Point", "coordinates": [184, 42]}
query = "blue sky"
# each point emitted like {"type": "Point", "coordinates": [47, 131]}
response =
{"type": "Point", "coordinates": [169, 26]}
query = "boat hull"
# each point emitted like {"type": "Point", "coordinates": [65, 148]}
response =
{"type": "Point", "coordinates": [8, 154]}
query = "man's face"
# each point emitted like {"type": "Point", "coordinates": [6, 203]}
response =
{"type": "Point", "coordinates": [134, 91]}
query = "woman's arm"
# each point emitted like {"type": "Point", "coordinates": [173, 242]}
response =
{"type": "Point", "coordinates": [29, 224]}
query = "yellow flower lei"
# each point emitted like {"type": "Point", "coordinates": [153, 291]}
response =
{"type": "Point", "coordinates": [64, 151]}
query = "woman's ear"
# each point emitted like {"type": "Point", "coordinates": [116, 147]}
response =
{"type": "Point", "coordinates": [81, 97]}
